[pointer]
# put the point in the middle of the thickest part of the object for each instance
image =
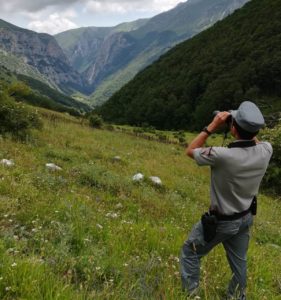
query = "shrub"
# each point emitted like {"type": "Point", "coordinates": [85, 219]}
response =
{"type": "Point", "coordinates": [273, 174]}
{"type": "Point", "coordinates": [95, 121]}
{"type": "Point", "coordinates": [15, 118]}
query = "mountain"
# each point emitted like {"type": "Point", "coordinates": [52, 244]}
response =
{"type": "Point", "coordinates": [109, 57]}
{"type": "Point", "coordinates": [42, 52]}
{"type": "Point", "coordinates": [238, 58]}
{"type": "Point", "coordinates": [81, 45]}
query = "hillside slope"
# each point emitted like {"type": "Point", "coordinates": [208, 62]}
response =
{"type": "Point", "coordinates": [156, 37]}
{"type": "Point", "coordinates": [89, 232]}
{"type": "Point", "coordinates": [238, 58]}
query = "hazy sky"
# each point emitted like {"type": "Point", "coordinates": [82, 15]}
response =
{"type": "Point", "coordinates": [53, 16]}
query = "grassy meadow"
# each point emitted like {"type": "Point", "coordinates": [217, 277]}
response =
{"type": "Point", "coordinates": [90, 232]}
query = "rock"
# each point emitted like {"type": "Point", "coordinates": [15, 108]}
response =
{"type": "Point", "coordinates": [53, 167]}
{"type": "Point", "coordinates": [156, 180]}
{"type": "Point", "coordinates": [138, 177]}
{"type": "Point", "coordinates": [116, 158]}
{"type": "Point", "coordinates": [112, 215]}
{"type": "Point", "coordinates": [7, 162]}
{"type": "Point", "coordinates": [119, 206]}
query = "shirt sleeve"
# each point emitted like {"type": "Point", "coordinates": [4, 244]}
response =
{"type": "Point", "coordinates": [207, 156]}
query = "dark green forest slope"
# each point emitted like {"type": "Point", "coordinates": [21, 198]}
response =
{"type": "Point", "coordinates": [238, 58]}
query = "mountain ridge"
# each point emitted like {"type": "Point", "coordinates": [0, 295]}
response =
{"type": "Point", "coordinates": [159, 33]}
{"type": "Point", "coordinates": [238, 58]}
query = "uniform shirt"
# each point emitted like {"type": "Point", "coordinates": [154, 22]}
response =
{"type": "Point", "coordinates": [236, 174]}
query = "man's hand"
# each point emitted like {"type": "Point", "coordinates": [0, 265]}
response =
{"type": "Point", "coordinates": [199, 141]}
{"type": "Point", "coordinates": [218, 121]}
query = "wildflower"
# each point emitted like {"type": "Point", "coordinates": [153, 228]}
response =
{"type": "Point", "coordinates": [98, 268]}
{"type": "Point", "coordinates": [99, 226]}
{"type": "Point", "coordinates": [8, 288]}
{"type": "Point", "coordinates": [13, 264]}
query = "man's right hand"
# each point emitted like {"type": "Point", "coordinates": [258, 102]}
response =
{"type": "Point", "coordinates": [218, 121]}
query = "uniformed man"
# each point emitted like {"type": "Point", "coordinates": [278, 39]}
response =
{"type": "Point", "coordinates": [236, 174]}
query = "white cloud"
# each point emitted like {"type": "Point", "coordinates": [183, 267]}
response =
{"type": "Point", "coordinates": [33, 5]}
{"type": "Point", "coordinates": [55, 23]}
{"type": "Point", "coordinates": [53, 16]}
{"type": "Point", "coordinates": [118, 6]}
{"type": "Point", "coordinates": [126, 6]}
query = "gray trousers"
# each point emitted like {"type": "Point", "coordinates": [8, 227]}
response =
{"type": "Point", "coordinates": [234, 235]}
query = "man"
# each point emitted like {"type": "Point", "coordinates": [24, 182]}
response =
{"type": "Point", "coordinates": [236, 174]}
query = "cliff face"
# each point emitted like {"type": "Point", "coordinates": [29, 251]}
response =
{"type": "Point", "coordinates": [42, 52]}
{"type": "Point", "coordinates": [113, 53]}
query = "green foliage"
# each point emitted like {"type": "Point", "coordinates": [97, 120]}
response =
{"type": "Point", "coordinates": [19, 90]}
{"type": "Point", "coordinates": [55, 99]}
{"type": "Point", "coordinates": [96, 121]}
{"type": "Point", "coordinates": [15, 118]}
{"type": "Point", "coordinates": [236, 59]}
{"type": "Point", "coordinates": [273, 174]}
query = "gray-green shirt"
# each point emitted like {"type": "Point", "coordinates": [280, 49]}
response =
{"type": "Point", "coordinates": [236, 174]}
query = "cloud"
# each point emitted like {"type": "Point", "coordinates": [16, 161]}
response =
{"type": "Point", "coordinates": [55, 23]}
{"type": "Point", "coordinates": [53, 16]}
{"type": "Point", "coordinates": [34, 5]}
{"type": "Point", "coordinates": [126, 6]}
{"type": "Point", "coordinates": [118, 6]}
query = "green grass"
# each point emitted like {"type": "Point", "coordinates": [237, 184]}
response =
{"type": "Point", "coordinates": [89, 232]}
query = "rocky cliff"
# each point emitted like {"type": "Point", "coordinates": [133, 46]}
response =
{"type": "Point", "coordinates": [42, 52]}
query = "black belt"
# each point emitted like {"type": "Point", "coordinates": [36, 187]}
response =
{"type": "Point", "coordinates": [235, 216]}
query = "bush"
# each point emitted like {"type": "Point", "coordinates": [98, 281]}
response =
{"type": "Point", "coordinates": [95, 121]}
{"type": "Point", "coordinates": [15, 118]}
{"type": "Point", "coordinates": [273, 174]}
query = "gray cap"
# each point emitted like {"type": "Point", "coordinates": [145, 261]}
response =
{"type": "Point", "coordinates": [248, 116]}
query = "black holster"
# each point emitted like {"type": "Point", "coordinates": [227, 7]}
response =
{"type": "Point", "coordinates": [254, 206]}
{"type": "Point", "coordinates": [209, 224]}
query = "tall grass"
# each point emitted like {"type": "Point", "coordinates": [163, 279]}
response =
{"type": "Point", "coordinates": [89, 232]}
